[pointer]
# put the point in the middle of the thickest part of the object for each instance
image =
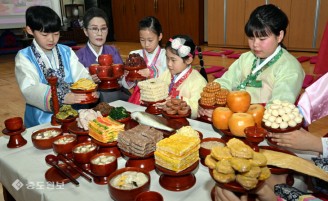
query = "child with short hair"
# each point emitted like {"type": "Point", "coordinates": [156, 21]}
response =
{"type": "Point", "coordinates": [184, 82]}
{"type": "Point", "coordinates": [42, 59]}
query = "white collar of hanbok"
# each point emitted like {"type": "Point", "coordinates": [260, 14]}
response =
{"type": "Point", "coordinates": [51, 62]}
{"type": "Point", "coordinates": [182, 74]}
{"type": "Point", "coordinates": [94, 52]}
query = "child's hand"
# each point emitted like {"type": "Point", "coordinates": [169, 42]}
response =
{"type": "Point", "coordinates": [205, 112]}
{"type": "Point", "coordinates": [95, 94]}
{"type": "Point", "coordinates": [95, 78]}
{"type": "Point", "coordinates": [299, 139]}
{"type": "Point", "coordinates": [72, 98]}
{"type": "Point", "coordinates": [144, 72]}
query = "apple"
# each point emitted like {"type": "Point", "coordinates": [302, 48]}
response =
{"type": "Point", "coordinates": [238, 101]}
{"type": "Point", "coordinates": [257, 111]}
{"type": "Point", "coordinates": [220, 117]}
{"type": "Point", "coordinates": [238, 122]}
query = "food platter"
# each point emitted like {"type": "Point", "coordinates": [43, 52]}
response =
{"type": "Point", "coordinates": [235, 186]}
{"type": "Point", "coordinates": [88, 93]}
{"type": "Point", "coordinates": [279, 130]}
{"type": "Point", "coordinates": [151, 109]}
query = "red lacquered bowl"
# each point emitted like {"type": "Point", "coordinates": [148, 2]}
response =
{"type": "Point", "coordinates": [149, 196]}
{"type": "Point", "coordinates": [45, 143]}
{"type": "Point", "coordinates": [127, 195]}
{"type": "Point", "coordinates": [103, 169]}
{"type": "Point", "coordinates": [14, 124]}
{"type": "Point", "coordinates": [84, 157]}
{"type": "Point", "coordinates": [64, 148]}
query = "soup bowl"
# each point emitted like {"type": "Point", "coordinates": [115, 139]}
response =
{"type": "Point", "coordinates": [43, 138]}
{"type": "Point", "coordinates": [132, 180]}
{"type": "Point", "coordinates": [83, 152]}
{"type": "Point", "coordinates": [64, 144]}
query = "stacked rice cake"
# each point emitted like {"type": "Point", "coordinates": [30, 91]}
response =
{"type": "Point", "coordinates": [153, 90]}
{"type": "Point", "coordinates": [178, 152]}
{"type": "Point", "coordinates": [140, 140]}
{"type": "Point", "coordinates": [105, 129]}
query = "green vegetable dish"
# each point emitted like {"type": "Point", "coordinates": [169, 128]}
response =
{"type": "Point", "coordinates": [66, 111]}
{"type": "Point", "coordinates": [117, 113]}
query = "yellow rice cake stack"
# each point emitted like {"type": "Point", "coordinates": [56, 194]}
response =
{"type": "Point", "coordinates": [153, 90]}
{"type": "Point", "coordinates": [178, 152]}
{"type": "Point", "coordinates": [105, 129]}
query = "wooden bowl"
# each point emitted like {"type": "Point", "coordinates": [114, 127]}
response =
{"type": "Point", "coordinates": [149, 196]}
{"type": "Point", "coordinates": [118, 194]}
{"type": "Point", "coordinates": [42, 142]}
{"type": "Point", "coordinates": [14, 124]}
{"type": "Point", "coordinates": [88, 93]}
{"type": "Point", "coordinates": [61, 147]}
{"type": "Point", "coordinates": [84, 157]}
{"type": "Point", "coordinates": [103, 169]}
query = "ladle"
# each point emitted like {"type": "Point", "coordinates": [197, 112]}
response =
{"type": "Point", "coordinates": [53, 161]}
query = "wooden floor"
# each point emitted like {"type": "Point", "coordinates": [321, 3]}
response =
{"type": "Point", "coordinates": [12, 102]}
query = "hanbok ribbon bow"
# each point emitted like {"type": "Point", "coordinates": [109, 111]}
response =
{"type": "Point", "coordinates": [183, 50]}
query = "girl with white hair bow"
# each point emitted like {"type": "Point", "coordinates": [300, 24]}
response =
{"type": "Point", "coordinates": [184, 82]}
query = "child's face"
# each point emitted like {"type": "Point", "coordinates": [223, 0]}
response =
{"type": "Point", "coordinates": [149, 40]}
{"type": "Point", "coordinates": [96, 31]}
{"type": "Point", "coordinates": [263, 47]}
{"type": "Point", "coordinates": [47, 41]}
{"type": "Point", "coordinates": [175, 63]}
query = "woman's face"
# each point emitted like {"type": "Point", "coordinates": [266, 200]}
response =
{"type": "Point", "coordinates": [97, 31]}
{"type": "Point", "coordinates": [149, 40]}
{"type": "Point", "coordinates": [263, 47]}
{"type": "Point", "coordinates": [175, 64]}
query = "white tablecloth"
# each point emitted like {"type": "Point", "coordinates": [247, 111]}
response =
{"type": "Point", "coordinates": [27, 165]}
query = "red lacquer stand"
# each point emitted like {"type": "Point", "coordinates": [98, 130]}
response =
{"type": "Point", "coordinates": [53, 82]}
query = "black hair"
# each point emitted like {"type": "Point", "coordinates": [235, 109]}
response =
{"type": "Point", "coordinates": [188, 42]}
{"type": "Point", "coordinates": [94, 12]}
{"type": "Point", "coordinates": [266, 20]}
{"type": "Point", "coordinates": [42, 18]}
{"type": "Point", "coordinates": [153, 24]}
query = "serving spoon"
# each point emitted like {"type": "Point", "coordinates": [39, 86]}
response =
{"type": "Point", "coordinates": [53, 161]}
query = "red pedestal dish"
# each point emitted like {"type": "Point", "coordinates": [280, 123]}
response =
{"type": "Point", "coordinates": [177, 181]}
{"type": "Point", "coordinates": [105, 59]}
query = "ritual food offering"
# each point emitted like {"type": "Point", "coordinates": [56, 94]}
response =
{"type": "Point", "coordinates": [213, 95]}
{"type": "Point", "coordinates": [117, 113]}
{"type": "Point", "coordinates": [238, 101]}
{"type": "Point", "coordinates": [129, 180]}
{"type": "Point", "coordinates": [135, 61]}
{"type": "Point", "coordinates": [65, 112]}
{"type": "Point", "coordinates": [103, 107]}
{"type": "Point", "coordinates": [188, 131]}
{"type": "Point", "coordinates": [65, 140]}
{"type": "Point", "coordinates": [47, 134]}
{"type": "Point", "coordinates": [43, 138]}
{"type": "Point", "coordinates": [84, 148]}
{"type": "Point", "coordinates": [237, 162]}
{"type": "Point", "coordinates": [153, 90]}
{"type": "Point", "coordinates": [281, 115]}
{"type": "Point", "coordinates": [84, 84]}
{"type": "Point", "coordinates": [105, 129]}
{"type": "Point", "coordinates": [140, 140]}
{"type": "Point", "coordinates": [176, 106]}
{"type": "Point", "coordinates": [85, 116]}
{"type": "Point", "coordinates": [177, 152]}
{"type": "Point", "coordinates": [103, 159]}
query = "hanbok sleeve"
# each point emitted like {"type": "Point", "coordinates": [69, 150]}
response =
{"type": "Point", "coordinates": [77, 68]}
{"type": "Point", "coordinates": [231, 78]}
{"type": "Point", "coordinates": [287, 83]}
{"type": "Point", "coordinates": [314, 100]}
{"type": "Point", "coordinates": [34, 91]}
